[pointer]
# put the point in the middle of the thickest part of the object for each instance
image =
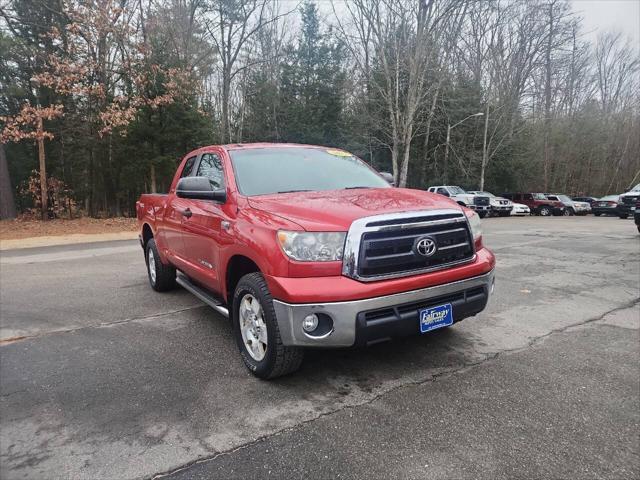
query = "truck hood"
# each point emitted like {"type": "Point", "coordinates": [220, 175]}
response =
{"type": "Point", "coordinates": [335, 210]}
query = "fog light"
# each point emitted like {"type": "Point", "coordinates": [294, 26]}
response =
{"type": "Point", "coordinates": [310, 323]}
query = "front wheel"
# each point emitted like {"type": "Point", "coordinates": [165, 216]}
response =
{"type": "Point", "coordinates": [545, 211]}
{"type": "Point", "coordinates": [482, 214]}
{"type": "Point", "coordinates": [568, 212]}
{"type": "Point", "coordinates": [255, 328]}
{"type": "Point", "coordinates": [597, 214]}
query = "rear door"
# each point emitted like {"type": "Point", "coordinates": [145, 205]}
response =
{"type": "Point", "coordinates": [207, 227]}
{"type": "Point", "coordinates": [171, 234]}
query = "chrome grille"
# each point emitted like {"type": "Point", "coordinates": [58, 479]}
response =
{"type": "Point", "coordinates": [630, 199]}
{"type": "Point", "coordinates": [386, 246]}
{"type": "Point", "coordinates": [481, 201]}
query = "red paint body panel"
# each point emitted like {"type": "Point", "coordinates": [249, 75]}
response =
{"type": "Point", "coordinates": [340, 289]}
{"type": "Point", "coordinates": [200, 247]}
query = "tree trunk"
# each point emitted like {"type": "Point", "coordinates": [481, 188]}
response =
{"type": "Point", "coordinates": [485, 157]}
{"type": "Point", "coordinates": [154, 188]}
{"type": "Point", "coordinates": [44, 201]}
{"type": "Point", "coordinates": [547, 102]}
{"type": "Point", "coordinates": [7, 202]}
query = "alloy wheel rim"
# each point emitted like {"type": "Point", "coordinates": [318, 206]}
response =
{"type": "Point", "coordinates": [253, 327]}
{"type": "Point", "coordinates": [152, 266]}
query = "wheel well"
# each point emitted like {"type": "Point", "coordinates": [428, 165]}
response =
{"type": "Point", "coordinates": [462, 203]}
{"type": "Point", "coordinates": [147, 234]}
{"type": "Point", "coordinates": [237, 268]}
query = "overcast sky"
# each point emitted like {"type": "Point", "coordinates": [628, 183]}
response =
{"type": "Point", "coordinates": [602, 15]}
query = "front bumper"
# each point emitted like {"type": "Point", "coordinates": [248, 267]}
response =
{"type": "Point", "coordinates": [371, 320]}
{"type": "Point", "coordinates": [625, 209]}
{"type": "Point", "coordinates": [480, 208]}
{"type": "Point", "coordinates": [501, 208]}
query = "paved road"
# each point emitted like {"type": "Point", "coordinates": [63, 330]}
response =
{"type": "Point", "coordinates": [102, 378]}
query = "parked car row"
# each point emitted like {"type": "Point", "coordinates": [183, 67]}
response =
{"type": "Point", "coordinates": [623, 205]}
{"type": "Point", "coordinates": [543, 204]}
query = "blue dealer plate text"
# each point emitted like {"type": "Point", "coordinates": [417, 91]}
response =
{"type": "Point", "coordinates": [435, 317]}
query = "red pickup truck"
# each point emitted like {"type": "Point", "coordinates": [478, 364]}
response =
{"type": "Point", "coordinates": [306, 246]}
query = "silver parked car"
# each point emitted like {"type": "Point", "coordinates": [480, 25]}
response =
{"type": "Point", "coordinates": [571, 206]}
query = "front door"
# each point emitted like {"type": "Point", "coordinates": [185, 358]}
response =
{"type": "Point", "coordinates": [204, 231]}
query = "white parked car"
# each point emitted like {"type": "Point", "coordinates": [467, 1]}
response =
{"type": "Point", "coordinates": [479, 203]}
{"type": "Point", "coordinates": [520, 210]}
{"type": "Point", "coordinates": [500, 206]}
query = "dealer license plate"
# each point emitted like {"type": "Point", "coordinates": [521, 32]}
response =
{"type": "Point", "coordinates": [435, 317]}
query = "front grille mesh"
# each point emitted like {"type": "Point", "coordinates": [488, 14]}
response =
{"type": "Point", "coordinates": [482, 201]}
{"type": "Point", "coordinates": [391, 251]}
{"type": "Point", "coordinates": [630, 200]}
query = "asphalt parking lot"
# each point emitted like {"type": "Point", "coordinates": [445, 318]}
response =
{"type": "Point", "coordinates": [101, 377]}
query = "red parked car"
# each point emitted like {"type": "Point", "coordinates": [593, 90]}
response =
{"type": "Point", "coordinates": [538, 203]}
{"type": "Point", "coordinates": [305, 246]}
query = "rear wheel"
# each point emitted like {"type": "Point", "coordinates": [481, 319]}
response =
{"type": "Point", "coordinates": [161, 277]}
{"type": "Point", "coordinates": [255, 328]}
{"type": "Point", "coordinates": [545, 211]}
{"type": "Point", "coordinates": [623, 216]}
{"type": "Point", "coordinates": [568, 212]}
{"type": "Point", "coordinates": [597, 214]}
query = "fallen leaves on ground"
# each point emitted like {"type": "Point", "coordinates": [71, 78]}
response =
{"type": "Point", "coordinates": [18, 229]}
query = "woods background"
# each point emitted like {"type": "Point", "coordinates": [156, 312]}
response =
{"type": "Point", "coordinates": [125, 88]}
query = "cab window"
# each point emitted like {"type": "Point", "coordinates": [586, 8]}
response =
{"type": "Point", "coordinates": [187, 171]}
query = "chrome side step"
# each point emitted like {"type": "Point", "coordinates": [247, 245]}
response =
{"type": "Point", "coordinates": [203, 295]}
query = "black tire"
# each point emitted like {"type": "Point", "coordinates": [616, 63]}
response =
{"type": "Point", "coordinates": [482, 214]}
{"type": "Point", "coordinates": [597, 214]}
{"type": "Point", "coordinates": [278, 359]}
{"type": "Point", "coordinates": [568, 212]}
{"type": "Point", "coordinates": [623, 216]}
{"type": "Point", "coordinates": [545, 211]}
{"type": "Point", "coordinates": [165, 275]}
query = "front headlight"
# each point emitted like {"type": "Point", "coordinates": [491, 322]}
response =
{"type": "Point", "coordinates": [312, 246]}
{"type": "Point", "coordinates": [475, 224]}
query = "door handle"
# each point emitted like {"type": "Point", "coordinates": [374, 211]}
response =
{"type": "Point", "coordinates": [186, 213]}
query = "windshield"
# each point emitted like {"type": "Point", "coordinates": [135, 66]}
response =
{"type": "Point", "coordinates": [486, 194]}
{"type": "Point", "coordinates": [636, 188]}
{"type": "Point", "coordinates": [610, 197]}
{"type": "Point", "coordinates": [261, 171]}
{"type": "Point", "coordinates": [539, 196]}
{"type": "Point", "coordinates": [564, 198]}
{"type": "Point", "coordinates": [456, 191]}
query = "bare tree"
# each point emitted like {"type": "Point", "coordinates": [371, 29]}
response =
{"type": "Point", "coordinates": [232, 25]}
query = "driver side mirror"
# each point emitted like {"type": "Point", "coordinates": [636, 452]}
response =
{"type": "Point", "coordinates": [389, 178]}
{"type": "Point", "coordinates": [199, 188]}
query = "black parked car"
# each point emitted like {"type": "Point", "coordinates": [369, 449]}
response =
{"type": "Point", "coordinates": [627, 202]}
{"type": "Point", "coordinates": [636, 215]}
{"type": "Point", "coordinates": [605, 206]}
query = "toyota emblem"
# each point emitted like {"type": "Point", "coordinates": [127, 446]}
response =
{"type": "Point", "coordinates": [426, 246]}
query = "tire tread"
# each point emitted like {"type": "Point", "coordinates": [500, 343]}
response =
{"type": "Point", "coordinates": [288, 359]}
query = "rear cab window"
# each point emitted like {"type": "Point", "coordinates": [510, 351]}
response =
{"type": "Point", "coordinates": [187, 170]}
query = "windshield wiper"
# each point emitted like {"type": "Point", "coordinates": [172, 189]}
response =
{"type": "Point", "coordinates": [353, 188]}
{"type": "Point", "coordinates": [292, 191]}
